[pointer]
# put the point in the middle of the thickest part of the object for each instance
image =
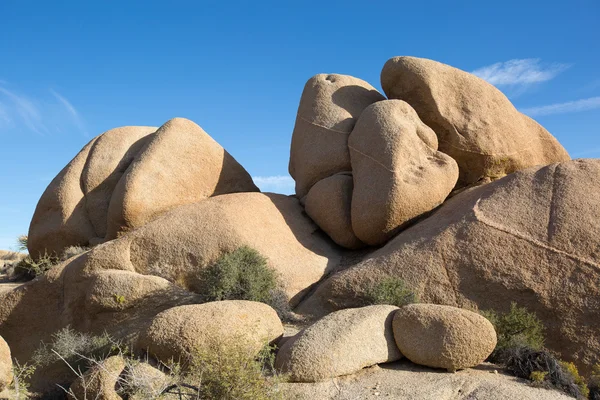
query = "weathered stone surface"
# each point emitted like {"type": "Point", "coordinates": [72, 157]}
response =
{"type": "Point", "coordinates": [530, 238]}
{"type": "Point", "coordinates": [407, 381]}
{"type": "Point", "coordinates": [128, 176]}
{"type": "Point", "coordinates": [443, 336]}
{"type": "Point", "coordinates": [99, 382]}
{"type": "Point", "coordinates": [475, 123]}
{"type": "Point", "coordinates": [329, 108]}
{"type": "Point", "coordinates": [6, 372]}
{"type": "Point", "coordinates": [398, 172]}
{"type": "Point", "coordinates": [341, 343]}
{"type": "Point", "coordinates": [181, 332]}
{"type": "Point", "coordinates": [328, 204]}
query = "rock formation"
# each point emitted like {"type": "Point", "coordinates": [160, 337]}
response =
{"type": "Point", "coordinates": [128, 176]}
{"type": "Point", "coordinates": [530, 237]}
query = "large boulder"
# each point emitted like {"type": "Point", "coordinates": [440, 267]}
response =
{"type": "Point", "coordinates": [341, 343]}
{"type": "Point", "coordinates": [328, 203]}
{"type": "Point", "coordinates": [398, 172]}
{"type": "Point", "coordinates": [99, 382]}
{"type": "Point", "coordinates": [182, 332]}
{"type": "Point", "coordinates": [475, 123]}
{"type": "Point", "coordinates": [179, 244]}
{"type": "Point", "coordinates": [328, 110]}
{"type": "Point", "coordinates": [128, 176]}
{"type": "Point", "coordinates": [6, 365]}
{"type": "Point", "coordinates": [443, 336]}
{"type": "Point", "coordinates": [530, 237]}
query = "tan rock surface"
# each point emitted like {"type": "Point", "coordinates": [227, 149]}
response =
{"type": "Point", "coordinates": [99, 382]}
{"type": "Point", "coordinates": [128, 176]}
{"type": "Point", "coordinates": [398, 172]}
{"type": "Point", "coordinates": [529, 238]}
{"type": "Point", "coordinates": [442, 336]}
{"type": "Point", "coordinates": [6, 372]}
{"type": "Point", "coordinates": [475, 123]}
{"type": "Point", "coordinates": [340, 343]}
{"type": "Point", "coordinates": [329, 107]}
{"type": "Point", "coordinates": [328, 203]}
{"type": "Point", "coordinates": [407, 381]}
{"type": "Point", "coordinates": [181, 332]}
{"type": "Point", "coordinates": [180, 164]}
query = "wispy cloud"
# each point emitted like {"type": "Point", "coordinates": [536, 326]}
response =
{"type": "Point", "coordinates": [39, 115]}
{"type": "Point", "coordinates": [25, 109]}
{"type": "Point", "coordinates": [561, 108]}
{"type": "Point", "coordinates": [520, 72]}
{"type": "Point", "coordinates": [278, 184]}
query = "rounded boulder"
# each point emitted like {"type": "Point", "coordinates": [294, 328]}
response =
{"type": "Point", "coordinates": [6, 371]}
{"type": "Point", "coordinates": [340, 343]}
{"type": "Point", "coordinates": [180, 332]}
{"type": "Point", "coordinates": [443, 336]}
{"type": "Point", "coordinates": [329, 107]}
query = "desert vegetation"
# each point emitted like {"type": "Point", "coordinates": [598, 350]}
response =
{"type": "Point", "coordinates": [390, 290]}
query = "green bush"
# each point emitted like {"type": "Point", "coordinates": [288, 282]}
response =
{"type": "Point", "coordinates": [28, 268]}
{"type": "Point", "coordinates": [594, 384]}
{"type": "Point", "coordinates": [546, 370]}
{"type": "Point", "coordinates": [517, 328]}
{"type": "Point", "coordinates": [230, 371]}
{"type": "Point", "coordinates": [240, 275]}
{"type": "Point", "coordinates": [390, 290]}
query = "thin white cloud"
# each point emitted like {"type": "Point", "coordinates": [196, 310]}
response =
{"type": "Point", "coordinates": [70, 109]}
{"type": "Point", "coordinates": [278, 184]}
{"type": "Point", "coordinates": [520, 72]}
{"type": "Point", "coordinates": [26, 109]}
{"type": "Point", "coordinates": [18, 111]}
{"type": "Point", "coordinates": [561, 108]}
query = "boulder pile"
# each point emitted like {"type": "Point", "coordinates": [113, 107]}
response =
{"type": "Point", "coordinates": [6, 365]}
{"type": "Point", "coordinates": [441, 183]}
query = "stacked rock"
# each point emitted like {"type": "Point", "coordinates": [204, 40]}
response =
{"type": "Point", "coordinates": [365, 167]}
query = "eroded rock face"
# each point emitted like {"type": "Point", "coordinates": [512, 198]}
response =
{"type": "Point", "coordinates": [329, 108]}
{"type": "Point", "coordinates": [398, 172]}
{"type": "Point", "coordinates": [443, 336]}
{"type": "Point", "coordinates": [328, 203]}
{"type": "Point", "coordinates": [341, 343]}
{"type": "Point", "coordinates": [530, 238]}
{"type": "Point", "coordinates": [127, 177]}
{"type": "Point", "coordinates": [475, 123]}
{"type": "Point", "coordinates": [6, 366]}
{"type": "Point", "coordinates": [182, 332]}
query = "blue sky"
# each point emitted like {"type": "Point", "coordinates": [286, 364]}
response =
{"type": "Point", "coordinates": [70, 70]}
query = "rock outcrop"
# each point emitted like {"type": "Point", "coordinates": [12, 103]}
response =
{"type": "Point", "coordinates": [127, 177]}
{"type": "Point", "coordinates": [398, 172]}
{"type": "Point", "coordinates": [443, 336]}
{"type": "Point", "coordinates": [475, 123]}
{"type": "Point", "coordinates": [329, 108]}
{"type": "Point", "coordinates": [341, 343]}
{"type": "Point", "coordinates": [6, 365]}
{"type": "Point", "coordinates": [179, 333]}
{"type": "Point", "coordinates": [328, 203]}
{"type": "Point", "coordinates": [530, 238]}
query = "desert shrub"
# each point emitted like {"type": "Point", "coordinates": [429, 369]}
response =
{"type": "Point", "coordinates": [390, 290]}
{"type": "Point", "coordinates": [546, 370]}
{"type": "Point", "coordinates": [28, 268]}
{"type": "Point", "coordinates": [514, 329]}
{"type": "Point", "coordinates": [231, 370]}
{"type": "Point", "coordinates": [76, 349]}
{"type": "Point", "coordinates": [22, 243]}
{"type": "Point", "coordinates": [242, 274]}
{"type": "Point", "coordinates": [19, 387]}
